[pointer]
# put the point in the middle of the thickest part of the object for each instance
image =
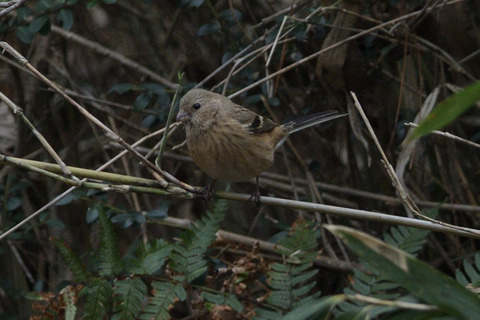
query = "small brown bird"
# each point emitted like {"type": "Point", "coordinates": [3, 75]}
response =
{"type": "Point", "coordinates": [231, 143]}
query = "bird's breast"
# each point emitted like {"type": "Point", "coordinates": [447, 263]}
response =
{"type": "Point", "coordinates": [230, 153]}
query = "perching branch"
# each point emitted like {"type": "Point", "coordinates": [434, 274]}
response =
{"type": "Point", "coordinates": [131, 184]}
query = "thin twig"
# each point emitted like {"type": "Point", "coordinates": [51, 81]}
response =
{"type": "Point", "coordinates": [447, 135]}
{"type": "Point", "coordinates": [10, 6]}
{"type": "Point", "coordinates": [159, 174]}
{"type": "Point", "coordinates": [404, 196]}
{"type": "Point", "coordinates": [389, 303]}
{"type": "Point", "coordinates": [336, 45]}
{"type": "Point", "coordinates": [276, 41]}
{"type": "Point", "coordinates": [163, 144]}
{"type": "Point", "coordinates": [19, 111]}
{"type": "Point", "coordinates": [113, 55]}
{"type": "Point", "coordinates": [84, 174]}
{"type": "Point", "coordinates": [355, 214]}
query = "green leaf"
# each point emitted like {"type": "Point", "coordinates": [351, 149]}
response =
{"type": "Point", "coordinates": [55, 224]}
{"type": "Point", "coordinates": [67, 199]}
{"type": "Point", "coordinates": [110, 262]}
{"type": "Point", "coordinates": [448, 110]}
{"type": "Point", "coordinates": [128, 296]}
{"type": "Point", "coordinates": [151, 257]}
{"type": "Point", "coordinates": [13, 203]}
{"type": "Point", "coordinates": [319, 309]}
{"type": "Point", "coordinates": [38, 23]}
{"type": "Point", "coordinates": [91, 4]}
{"type": "Point", "coordinates": [121, 88]}
{"type": "Point", "coordinates": [164, 295]}
{"type": "Point", "coordinates": [421, 280]}
{"type": "Point", "coordinates": [227, 15]}
{"type": "Point", "coordinates": [207, 29]}
{"type": "Point", "coordinates": [160, 212]}
{"type": "Point", "coordinates": [92, 214]}
{"type": "Point", "coordinates": [69, 299]}
{"type": "Point", "coordinates": [99, 297]}
{"type": "Point", "coordinates": [23, 13]}
{"type": "Point", "coordinates": [153, 87]}
{"type": "Point", "coordinates": [66, 16]}
{"type": "Point", "coordinates": [223, 299]}
{"type": "Point", "coordinates": [142, 101]}
{"type": "Point", "coordinates": [125, 219]}
{"type": "Point", "coordinates": [72, 260]}
{"type": "Point", "coordinates": [24, 34]}
{"type": "Point", "coordinates": [191, 3]}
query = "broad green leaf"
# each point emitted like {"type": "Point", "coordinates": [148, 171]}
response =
{"type": "Point", "coordinates": [153, 87]}
{"type": "Point", "coordinates": [319, 309]}
{"type": "Point", "coordinates": [448, 110]}
{"type": "Point", "coordinates": [160, 212]}
{"type": "Point", "coordinates": [121, 88]}
{"type": "Point", "coordinates": [66, 200]}
{"type": "Point", "coordinates": [66, 16]}
{"type": "Point", "coordinates": [55, 224]}
{"type": "Point", "coordinates": [38, 23]}
{"type": "Point", "coordinates": [23, 33]}
{"type": "Point", "coordinates": [142, 101]}
{"type": "Point", "coordinates": [207, 29]}
{"type": "Point", "coordinates": [422, 281]}
{"type": "Point", "coordinates": [92, 214]}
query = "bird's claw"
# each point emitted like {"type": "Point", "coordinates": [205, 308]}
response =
{"type": "Point", "coordinates": [256, 196]}
{"type": "Point", "coordinates": [209, 191]}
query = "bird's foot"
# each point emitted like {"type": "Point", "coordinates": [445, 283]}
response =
{"type": "Point", "coordinates": [209, 191]}
{"type": "Point", "coordinates": [256, 194]}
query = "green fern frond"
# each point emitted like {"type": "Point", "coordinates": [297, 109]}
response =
{"type": "Point", "coordinates": [99, 296]}
{"type": "Point", "coordinates": [264, 314]}
{"type": "Point", "coordinates": [287, 291]}
{"type": "Point", "coordinates": [292, 281]}
{"type": "Point", "coordinates": [69, 296]}
{"type": "Point", "coordinates": [73, 261]}
{"type": "Point", "coordinates": [128, 297]}
{"type": "Point", "coordinates": [223, 299]}
{"type": "Point", "coordinates": [151, 257]}
{"type": "Point", "coordinates": [302, 240]}
{"type": "Point", "coordinates": [373, 284]}
{"type": "Point", "coordinates": [110, 262]}
{"type": "Point", "coordinates": [187, 258]}
{"type": "Point", "coordinates": [469, 273]}
{"type": "Point", "coordinates": [164, 295]}
{"type": "Point", "coordinates": [408, 239]}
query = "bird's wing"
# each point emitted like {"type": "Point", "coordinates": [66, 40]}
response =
{"type": "Point", "coordinates": [253, 122]}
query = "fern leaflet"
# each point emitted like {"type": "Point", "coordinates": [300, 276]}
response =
{"type": "Point", "coordinates": [151, 257]}
{"type": "Point", "coordinates": [164, 295]}
{"type": "Point", "coordinates": [292, 281]}
{"type": "Point", "coordinates": [374, 284]}
{"type": "Point", "coordinates": [73, 261]}
{"type": "Point", "coordinates": [110, 264]}
{"type": "Point", "coordinates": [188, 257]}
{"type": "Point", "coordinates": [128, 296]}
{"type": "Point", "coordinates": [99, 295]}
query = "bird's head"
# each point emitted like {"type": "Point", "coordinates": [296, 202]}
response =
{"type": "Point", "coordinates": [198, 108]}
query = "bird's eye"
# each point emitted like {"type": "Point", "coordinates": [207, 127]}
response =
{"type": "Point", "coordinates": [196, 106]}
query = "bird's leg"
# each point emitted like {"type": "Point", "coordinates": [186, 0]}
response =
{"type": "Point", "coordinates": [209, 191]}
{"type": "Point", "coordinates": [256, 194]}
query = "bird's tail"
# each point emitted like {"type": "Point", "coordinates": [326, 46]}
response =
{"type": "Point", "coordinates": [312, 120]}
{"type": "Point", "coordinates": [308, 121]}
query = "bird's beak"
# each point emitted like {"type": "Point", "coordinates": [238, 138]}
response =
{"type": "Point", "coordinates": [182, 116]}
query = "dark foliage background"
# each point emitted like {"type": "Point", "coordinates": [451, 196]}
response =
{"type": "Point", "coordinates": [392, 70]}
